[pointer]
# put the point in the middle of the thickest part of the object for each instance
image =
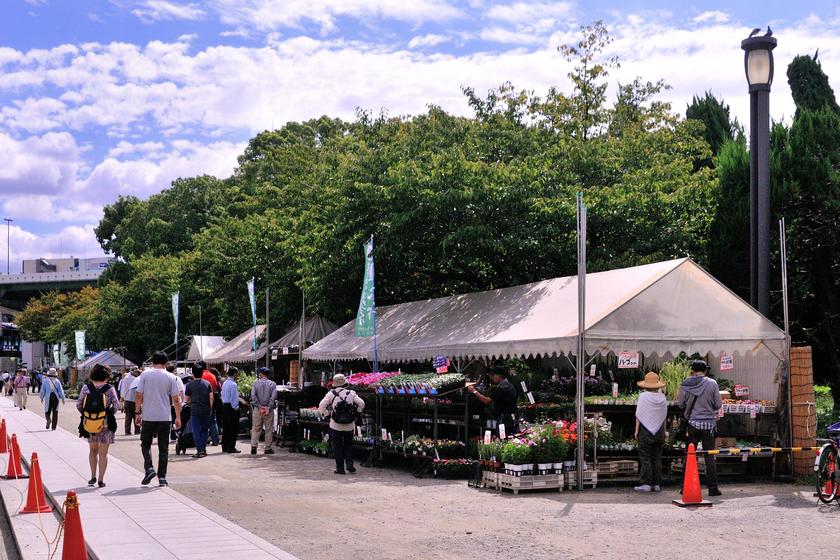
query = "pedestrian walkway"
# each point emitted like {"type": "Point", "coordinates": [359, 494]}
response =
{"type": "Point", "coordinates": [125, 520]}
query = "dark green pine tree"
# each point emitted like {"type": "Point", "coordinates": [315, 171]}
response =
{"type": "Point", "coordinates": [810, 182]}
{"type": "Point", "coordinates": [715, 116]}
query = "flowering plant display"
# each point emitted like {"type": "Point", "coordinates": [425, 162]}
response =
{"type": "Point", "coordinates": [312, 413]}
{"type": "Point", "coordinates": [363, 380]}
{"type": "Point", "coordinates": [518, 451]}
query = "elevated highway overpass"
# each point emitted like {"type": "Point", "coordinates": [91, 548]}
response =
{"type": "Point", "coordinates": [17, 289]}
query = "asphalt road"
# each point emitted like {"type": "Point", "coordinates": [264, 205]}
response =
{"type": "Point", "coordinates": [296, 502]}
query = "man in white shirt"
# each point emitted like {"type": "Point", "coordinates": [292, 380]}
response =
{"type": "Point", "coordinates": [156, 389]}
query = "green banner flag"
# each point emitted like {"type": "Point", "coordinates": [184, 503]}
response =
{"type": "Point", "coordinates": [366, 317]}
{"type": "Point", "coordinates": [80, 345]}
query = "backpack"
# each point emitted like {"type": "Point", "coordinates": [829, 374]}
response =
{"type": "Point", "coordinates": [94, 410]}
{"type": "Point", "coordinates": [53, 396]}
{"type": "Point", "coordinates": [343, 412]}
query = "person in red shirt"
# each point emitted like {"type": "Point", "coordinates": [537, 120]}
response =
{"type": "Point", "coordinates": [217, 393]}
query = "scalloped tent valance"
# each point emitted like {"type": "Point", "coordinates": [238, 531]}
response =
{"type": "Point", "coordinates": [659, 308]}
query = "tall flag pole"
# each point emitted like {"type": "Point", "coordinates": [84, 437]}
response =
{"type": "Point", "coordinates": [253, 300]}
{"type": "Point", "coordinates": [581, 345]}
{"type": "Point", "coordinates": [366, 317]}
{"type": "Point", "coordinates": [176, 303]}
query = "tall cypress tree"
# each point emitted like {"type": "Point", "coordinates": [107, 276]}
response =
{"type": "Point", "coordinates": [715, 116]}
{"type": "Point", "coordinates": [810, 180]}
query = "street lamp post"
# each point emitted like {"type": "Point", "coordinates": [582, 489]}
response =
{"type": "Point", "coordinates": [758, 65]}
{"type": "Point", "coordinates": [8, 243]}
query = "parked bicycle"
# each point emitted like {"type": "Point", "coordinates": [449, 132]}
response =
{"type": "Point", "coordinates": [825, 466]}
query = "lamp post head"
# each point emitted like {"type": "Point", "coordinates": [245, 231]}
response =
{"type": "Point", "coordinates": [758, 61]}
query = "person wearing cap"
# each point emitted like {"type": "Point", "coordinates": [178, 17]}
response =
{"type": "Point", "coordinates": [651, 412]}
{"type": "Point", "coordinates": [208, 376]}
{"type": "Point", "coordinates": [51, 393]}
{"type": "Point", "coordinates": [503, 399]}
{"type": "Point", "coordinates": [700, 400]}
{"type": "Point", "coordinates": [341, 434]}
{"type": "Point", "coordinates": [263, 397]}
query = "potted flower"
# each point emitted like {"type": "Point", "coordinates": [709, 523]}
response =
{"type": "Point", "coordinates": [517, 455]}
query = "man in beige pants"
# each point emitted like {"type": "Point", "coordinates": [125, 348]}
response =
{"type": "Point", "coordinates": [263, 398]}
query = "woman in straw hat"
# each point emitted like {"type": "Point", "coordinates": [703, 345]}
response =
{"type": "Point", "coordinates": [651, 412]}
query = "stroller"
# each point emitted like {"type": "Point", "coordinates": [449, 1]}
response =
{"type": "Point", "coordinates": [184, 437]}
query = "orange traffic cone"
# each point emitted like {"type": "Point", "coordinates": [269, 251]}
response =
{"type": "Point", "coordinates": [74, 538]}
{"type": "Point", "coordinates": [36, 501]}
{"type": "Point", "coordinates": [692, 496]}
{"type": "Point", "coordinates": [15, 470]}
{"type": "Point", "coordinates": [4, 439]}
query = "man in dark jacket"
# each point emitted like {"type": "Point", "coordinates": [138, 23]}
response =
{"type": "Point", "coordinates": [700, 400]}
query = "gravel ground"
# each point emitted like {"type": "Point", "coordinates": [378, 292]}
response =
{"type": "Point", "coordinates": [297, 503]}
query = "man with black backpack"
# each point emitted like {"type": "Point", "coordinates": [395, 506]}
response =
{"type": "Point", "coordinates": [343, 405]}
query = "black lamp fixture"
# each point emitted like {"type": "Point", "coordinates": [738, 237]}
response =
{"type": "Point", "coordinates": [758, 66]}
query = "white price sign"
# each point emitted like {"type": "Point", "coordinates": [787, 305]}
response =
{"type": "Point", "coordinates": [487, 437]}
{"type": "Point", "coordinates": [530, 397]}
{"type": "Point", "coordinates": [726, 363]}
{"type": "Point", "coordinates": [628, 360]}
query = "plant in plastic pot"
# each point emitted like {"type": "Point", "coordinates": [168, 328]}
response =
{"type": "Point", "coordinates": [517, 454]}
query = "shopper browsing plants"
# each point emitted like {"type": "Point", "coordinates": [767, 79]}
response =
{"type": "Point", "coordinates": [503, 399]}
{"type": "Point", "coordinates": [651, 412]}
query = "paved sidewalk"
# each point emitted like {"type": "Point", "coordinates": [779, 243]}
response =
{"type": "Point", "coordinates": [124, 519]}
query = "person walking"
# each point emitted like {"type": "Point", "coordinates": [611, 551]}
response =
{"type": "Point", "coordinates": [199, 395]}
{"type": "Point", "coordinates": [51, 393]}
{"type": "Point", "coordinates": [343, 405]}
{"type": "Point", "coordinates": [98, 402]}
{"type": "Point", "coordinates": [128, 392]}
{"type": "Point", "coordinates": [230, 411]}
{"type": "Point", "coordinates": [699, 397]}
{"type": "Point", "coordinates": [156, 389]}
{"type": "Point", "coordinates": [651, 412]}
{"type": "Point", "coordinates": [263, 399]}
{"type": "Point", "coordinates": [21, 386]}
{"type": "Point", "coordinates": [4, 379]}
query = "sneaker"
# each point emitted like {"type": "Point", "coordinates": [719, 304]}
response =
{"type": "Point", "coordinates": [162, 482]}
{"type": "Point", "coordinates": [147, 478]}
{"type": "Point", "coordinates": [234, 450]}
{"type": "Point", "coordinates": [643, 488]}
{"type": "Point", "coordinates": [351, 470]}
{"type": "Point", "coordinates": [269, 452]}
{"type": "Point", "coordinates": [657, 488]}
{"type": "Point", "coordinates": [338, 472]}
{"type": "Point", "coordinates": [92, 481]}
{"type": "Point", "coordinates": [714, 491]}
{"type": "Point", "coordinates": [253, 451]}
{"type": "Point", "coordinates": [101, 484]}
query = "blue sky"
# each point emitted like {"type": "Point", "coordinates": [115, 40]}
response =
{"type": "Point", "coordinates": [106, 97]}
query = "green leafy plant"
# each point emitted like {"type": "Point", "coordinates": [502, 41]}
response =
{"type": "Point", "coordinates": [672, 375]}
{"type": "Point", "coordinates": [517, 453]}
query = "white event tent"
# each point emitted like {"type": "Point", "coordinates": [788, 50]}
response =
{"type": "Point", "coordinates": [657, 309]}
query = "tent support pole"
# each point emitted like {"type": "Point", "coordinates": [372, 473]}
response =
{"type": "Point", "coordinates": [787, 327]}
{"type": "Point", "coordinates": [581, 346]}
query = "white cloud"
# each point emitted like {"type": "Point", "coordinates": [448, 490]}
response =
{"type": "Point", "coordinates": [157, 10]}
{"type": "Point", "coordinates": [38, 164]}
{"type": "Point", "coordinates": [506, 36]}
{"type": "Point", "coordinates": [528, 12]}
{"type": "Point", "coordinates": [714, 16]}
{"type": "Point", "coordinates": [37, 2]}
{"type": "Point", "coordinates": [123, 148]}
{"type": "Point", "coordinates": [268, 15]}
{"type": "Point", "coordinates": [429, 40]}
{"type": "Point", "coordinates": [188, 38]}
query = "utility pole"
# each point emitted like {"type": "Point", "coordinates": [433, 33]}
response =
{"type": "Point", "coordinates": [8, 244]}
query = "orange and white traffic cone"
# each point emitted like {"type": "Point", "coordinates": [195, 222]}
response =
{"type": "Point", "coordinates": [74, 538]}
{"type": "Point", "coordinates": [692, 496]}
{"type": "Point", "coordinates": [15, 469]}
{"type": "Point", "coordinates": [4, 439]}
{"type": "Point", "coordinates": [36, 501]}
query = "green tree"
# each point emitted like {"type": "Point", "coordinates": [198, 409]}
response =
{"type": "Point", "coordinates": [714, 114]}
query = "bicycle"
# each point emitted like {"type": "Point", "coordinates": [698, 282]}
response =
{"type": "Point", "coordinates": [825, 465]}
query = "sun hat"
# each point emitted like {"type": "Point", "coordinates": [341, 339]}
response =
{"type": "Point", "coordinates": [52, 372]}
{"type": "Point", "coordinates": [651, 381]}
{"type": "Point", "coordinates": [339, 380]}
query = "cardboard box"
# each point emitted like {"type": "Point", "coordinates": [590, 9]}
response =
{"type": "Point", "coordinates": [725, 442]}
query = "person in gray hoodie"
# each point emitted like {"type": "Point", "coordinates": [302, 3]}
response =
{"type": "Point", "coordinates": [700, 400]}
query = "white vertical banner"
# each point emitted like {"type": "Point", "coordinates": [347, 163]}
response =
{"type": "Point", "coordinates": [176, 304]}
{"type": "Point", "coordinates": [80, 345]}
